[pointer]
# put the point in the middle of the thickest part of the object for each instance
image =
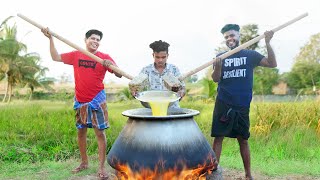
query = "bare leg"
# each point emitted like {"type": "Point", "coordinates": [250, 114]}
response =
{"type": "Point", "coordinates": [245, 154]}
{"type": "Point", "coordinates": [102, 143]}
{"type": "Point", "coordinates": [82, 142]}
{"type": "Point", "coordinates": [217, 147]}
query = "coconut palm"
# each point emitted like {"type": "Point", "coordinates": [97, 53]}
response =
{"type": "Point", "coordinates": [17, 66]}
{"type": "Point", "coordinates": [34, 74]}
{"type": "Point", "coordinates": [2, 26]}
{"type": "Point", "coordinates": [9, 57]}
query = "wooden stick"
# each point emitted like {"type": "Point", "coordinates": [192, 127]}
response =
{"type": "Point", "coordinates": [237, 49]}
{"type": "Point", "coordinates": [96, 58]}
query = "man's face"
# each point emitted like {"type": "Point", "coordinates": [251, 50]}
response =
{"type": "Point", "coordinates": [92, 43]}
{"type": "Point", "coordinates": [160, 58]}
{"type": "Point", "coordinates": [232, 38]}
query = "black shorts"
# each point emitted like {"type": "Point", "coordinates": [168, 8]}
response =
{"type": "Point", "coordinates": [230, 121]}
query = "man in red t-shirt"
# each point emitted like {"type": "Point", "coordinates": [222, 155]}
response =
{"type": "Point", "coordinates": [90, 97]}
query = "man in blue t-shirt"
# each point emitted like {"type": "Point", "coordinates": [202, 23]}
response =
{"type": "Point", "coordinates": [234, 76]}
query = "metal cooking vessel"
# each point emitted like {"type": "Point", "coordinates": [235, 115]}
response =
{"type": "Point", "coordinates": [146, 141]}
{"type": "Point", "coordinates": [144, 96]}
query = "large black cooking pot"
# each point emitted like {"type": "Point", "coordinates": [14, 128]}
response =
{"type": "Point", "coordinates": [160, 143]}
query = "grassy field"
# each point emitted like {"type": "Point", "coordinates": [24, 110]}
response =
{"type": "Point", "coordinates": [37, 136]}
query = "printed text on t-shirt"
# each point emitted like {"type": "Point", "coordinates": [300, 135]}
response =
{"type": "Point", "coordinates": [235, 62]}
{"type": "Point", "coordinates": [87, 63]}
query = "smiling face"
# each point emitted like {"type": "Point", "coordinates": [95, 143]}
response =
{"type": "Point", "coordinates": [232, 38]}
{"type": "Point", "coordinates": [160, 59]}
{"type": "Point", "coordinates": [92, 43]}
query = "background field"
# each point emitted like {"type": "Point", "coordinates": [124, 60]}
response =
{"type": "Point", "coordinates": [284, 141]}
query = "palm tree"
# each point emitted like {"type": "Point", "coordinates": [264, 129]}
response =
{"type": "Point", "coordinates": [9, 53]}
{"type": "Point", "coordinates": [2, 26]}
{"type": "Point", "coordinates": [17, 67]}
{"type": "Point", "coordinates": [34, 74]}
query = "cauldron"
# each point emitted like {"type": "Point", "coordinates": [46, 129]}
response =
{"type": "Point", "coordinates": [174, 141]}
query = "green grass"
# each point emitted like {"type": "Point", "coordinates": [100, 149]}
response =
{"type": "Point", "coordinates": [54, 170]}
{"type": "Point", "coordinates": [39, 137]}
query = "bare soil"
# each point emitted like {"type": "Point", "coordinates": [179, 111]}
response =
{"type": "Point", "coordinates": [228, 174]}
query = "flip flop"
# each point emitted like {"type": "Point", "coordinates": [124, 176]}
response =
{"type": "Point", "coordinates": [103, 176]}
{"type": "Point", "coordinates": [80, 168]}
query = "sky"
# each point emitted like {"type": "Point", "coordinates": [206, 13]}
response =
{"type": "Point", "coordinates": [191, 27]}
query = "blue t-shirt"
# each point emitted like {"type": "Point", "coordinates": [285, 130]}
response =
{"type": "Point", "coordinates": [235, 86]}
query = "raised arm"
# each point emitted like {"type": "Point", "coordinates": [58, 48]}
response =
{"type": "Point", "coordinates": [53, 51]}
{"type": "Point", "coordinates": [269, 61]}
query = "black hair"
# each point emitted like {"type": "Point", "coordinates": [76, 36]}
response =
{"type": "Point", "coordinates": [229, 27]}
{"type": "Point", "coordinates": [94, 31]}
{"type": "Point", "coordinates": [159, 46]}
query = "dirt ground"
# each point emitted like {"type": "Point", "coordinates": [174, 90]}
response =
{"type": "Point", "coordinates": [228, 174]}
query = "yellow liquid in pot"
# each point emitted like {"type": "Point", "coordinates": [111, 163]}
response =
{"type": "Point", "coordinates": [159, 105]}
{"type": "Point", "coordinates": [159, 108]}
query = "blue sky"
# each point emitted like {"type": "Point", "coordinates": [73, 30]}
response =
{"type": "Point", "coordinates": [191, 27]}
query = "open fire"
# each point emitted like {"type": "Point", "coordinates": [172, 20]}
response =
{"type": "Point", "coordinates": [179, 172]}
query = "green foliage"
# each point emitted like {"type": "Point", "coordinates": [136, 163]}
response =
{"type": "Point", "coordinates": [125, 94]}
{"type": "Point", "coordinates": [63, 95]}
{"type": "Point", "coordinates": [17, 66]}
{"type": "Point", "coordinates": [210, 88]}
{"type": "Point", "coordinates": [311, 51]}
{"type": "Point", "coordinates": [264, 79]}
{"type": "Point", "coordinates": [248, 32]}
{"type": "Point", "coordinates": [304, 75]}
{"type": "Point", "coordinates": [306, 69]}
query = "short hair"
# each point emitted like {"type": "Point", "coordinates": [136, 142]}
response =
{"type": "Point", "coordinates": [229, 27]}
{"type": "Point", "coordinates": [159, 46]}
{"type": "Point", "coordinates": [94, 31]}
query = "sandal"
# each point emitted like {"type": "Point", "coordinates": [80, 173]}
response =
{"type": "Point", "coordinates": [80, 168]}
{"type": "Point", "coordinates": [103, 176]}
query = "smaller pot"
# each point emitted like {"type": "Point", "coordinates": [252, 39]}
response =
{"type": "Point", "coordinates": [145, 97]}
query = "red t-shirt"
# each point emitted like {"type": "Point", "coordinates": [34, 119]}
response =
{"type": "Point", "coordinates": [88, 74]}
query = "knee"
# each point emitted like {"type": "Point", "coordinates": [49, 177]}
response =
{"type": "Point", "coordinates": [218, 140]}
{"type": "Point", "coordinates": [100, 134]}
{"type": "Point", "coordinates": [82, 133]}
{"type": "Point", "coordinates": [243, 142]}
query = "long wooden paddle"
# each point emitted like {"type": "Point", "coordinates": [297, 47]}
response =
{"type": "Point", "coordinates": [96, 58]}
{"type": "Point", "coordinates": [173, 82]}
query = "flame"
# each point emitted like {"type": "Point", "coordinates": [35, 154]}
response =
{"type": "Point", "coordinates": [124, 172]}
